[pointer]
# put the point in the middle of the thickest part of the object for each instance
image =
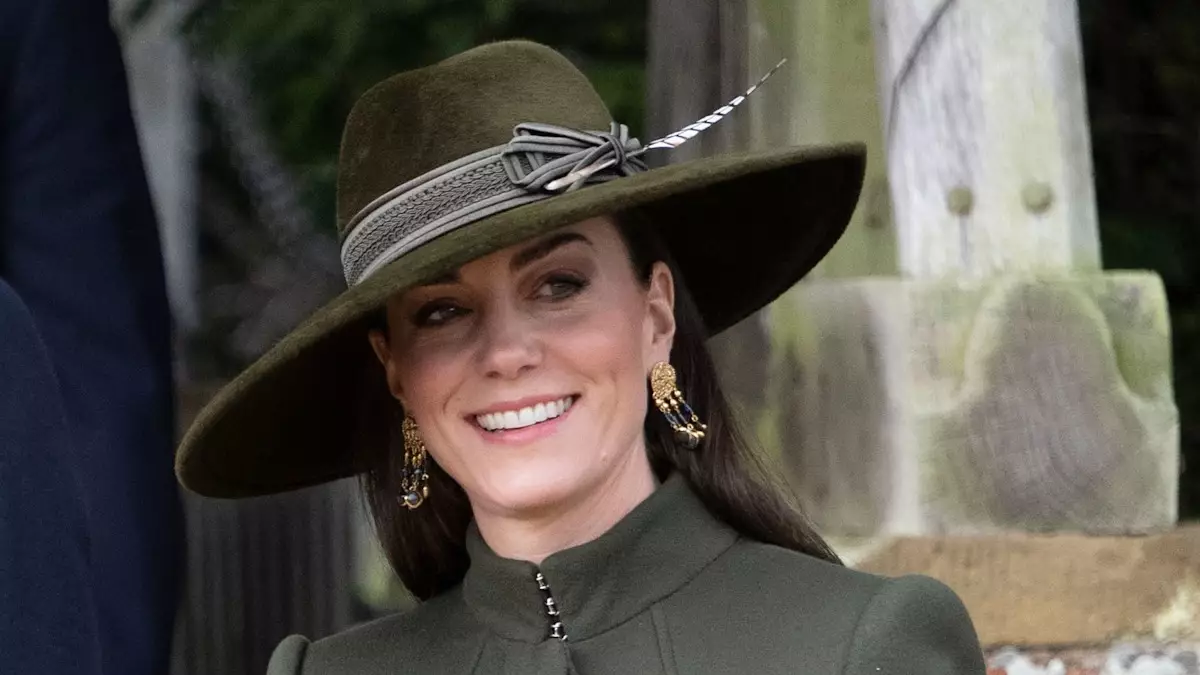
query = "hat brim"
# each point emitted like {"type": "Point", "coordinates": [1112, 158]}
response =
{"type": "Point", "coordinates": [743, 228]}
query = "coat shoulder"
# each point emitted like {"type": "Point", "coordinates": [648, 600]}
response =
{"type": "Point", "coordinates": [802, 595]}
{"type": "Point", "coordinates": [915, 624]}
{"type": "Point", "coordinates": [769, 605]}
{"type": "Point", "coordinates": [433, 636]}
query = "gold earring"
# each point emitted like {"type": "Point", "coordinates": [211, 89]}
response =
{"type": "Point", "coordinates": [414, 478]}
{"type": "Point", "coordinates": [689, 430]}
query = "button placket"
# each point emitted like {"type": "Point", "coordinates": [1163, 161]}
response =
{"type": "Point", "coordinates": [557, 630]}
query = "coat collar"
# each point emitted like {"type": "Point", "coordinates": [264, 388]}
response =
{"type": "Point", "coordinates": [649, 554]}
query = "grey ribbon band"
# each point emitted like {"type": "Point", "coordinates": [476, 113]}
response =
{"type": "Point", "coordinates": [541, 161]}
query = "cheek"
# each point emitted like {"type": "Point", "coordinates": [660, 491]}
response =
{"type": "Point", "coordinates": [427, 372]}
{"type": "Point", "coordinates": [431, 377]}
{"type": "Point", "coordinates": [609, 356]}
{"type": "Point", "coordinates": [606, 346]}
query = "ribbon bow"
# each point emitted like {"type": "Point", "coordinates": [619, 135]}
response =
{"type": "Point", "coordinates": [554, 158]}
{"type": "Point", "coordinates": [563, 159]}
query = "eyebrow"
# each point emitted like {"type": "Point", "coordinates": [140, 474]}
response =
{"type": "Point", "coordinates": [447, 278]}
{"type": "Point", "coordinates": [544, 248]}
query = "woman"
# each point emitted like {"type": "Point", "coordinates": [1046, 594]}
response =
{"type": "Point", "coordinates": [519, 372]}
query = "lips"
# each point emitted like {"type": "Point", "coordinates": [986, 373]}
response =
{"type": "Point", "coordinates": [525, 416]}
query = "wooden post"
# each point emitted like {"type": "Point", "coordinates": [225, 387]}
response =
{"type": "Point", "coordinates": [1003, 382]}
{"type": "Point", "coordinates": [988, 146]}
{"type": "Point", "coordinates": [1012, 385]}
{"type": "Point", "coordinates": [826, 93]}
{"type": "Point", "coordinates": [696, 56]}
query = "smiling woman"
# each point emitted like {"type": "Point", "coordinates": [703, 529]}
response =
{"type": "Point", "coordinates": [519, 373]}
{"type": "Point", "coordinates": [560, 323]}
{"type": "Point", "coordinates": [610, 307]}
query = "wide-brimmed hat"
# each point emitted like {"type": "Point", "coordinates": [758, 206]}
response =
{"type": "Point", "coordinates": [484, 150]}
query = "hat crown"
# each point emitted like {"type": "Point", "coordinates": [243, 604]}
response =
{"type": "Point", "coordinates": [419, 120]}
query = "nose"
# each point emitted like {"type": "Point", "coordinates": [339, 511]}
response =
{"type": "Point", "coordinates": [510, 345]}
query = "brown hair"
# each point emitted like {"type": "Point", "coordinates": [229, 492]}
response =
{"type": "Point", "coordinates": [426, 545]}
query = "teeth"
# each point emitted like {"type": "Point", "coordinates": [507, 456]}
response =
{"type": "Point", "coordinates": [525, 417]}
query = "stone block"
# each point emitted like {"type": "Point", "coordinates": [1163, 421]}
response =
{"type": "Point", "coordinates": [1033, 403]}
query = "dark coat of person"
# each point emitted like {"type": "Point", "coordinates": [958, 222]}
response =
{"type": "Point", "coordinates": [79, 248]}
{"type": "Point", "coordinates": [669, 590]}
{"type": "Point", "coordinates": [47, 616]}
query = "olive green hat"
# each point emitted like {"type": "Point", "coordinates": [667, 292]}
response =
{"type": "Point", "coordinates": [479, 152]}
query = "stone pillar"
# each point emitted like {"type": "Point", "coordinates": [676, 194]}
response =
{"type": "Point", "coordinates": [996, 379]}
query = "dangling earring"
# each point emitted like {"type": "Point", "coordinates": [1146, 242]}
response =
{"type": "Point", "coordinates": [689, 430]}
{"type": "Point", "coordinates": [414, 479]}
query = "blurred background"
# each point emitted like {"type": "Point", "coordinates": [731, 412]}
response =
{"type": "Point", "coordinates": [240, 105]}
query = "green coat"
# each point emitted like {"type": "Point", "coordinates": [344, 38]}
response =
{"type": "Point", "coordinates": [670, 589]}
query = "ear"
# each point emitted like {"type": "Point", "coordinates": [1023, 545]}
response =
{"type": "Point", "coordinates": [383, 352]}
{"type": "Point", "coordinates": [660, 314]}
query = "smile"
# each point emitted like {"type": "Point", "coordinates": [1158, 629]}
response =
{"type": "Point", "coordinates": [524, 417]}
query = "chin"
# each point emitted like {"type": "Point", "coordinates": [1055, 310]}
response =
{"type": "Point", "coordinates": [535, 487]}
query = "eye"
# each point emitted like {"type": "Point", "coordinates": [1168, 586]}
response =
{"type": "Point", "coordinates": [560, 286]}
{"type": "Point", "coordinates": [437, 313]}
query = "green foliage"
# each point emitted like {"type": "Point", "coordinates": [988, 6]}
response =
{"type": "Point", "coordinates": [309, 60]}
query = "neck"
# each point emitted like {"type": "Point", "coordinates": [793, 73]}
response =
{"type": "Point", "coordinates": [533, 536]}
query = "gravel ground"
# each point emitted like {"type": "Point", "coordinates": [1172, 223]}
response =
{"type": "Point", "coordinates": [1117, 660]}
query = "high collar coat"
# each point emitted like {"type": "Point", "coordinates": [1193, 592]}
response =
{"type": "Point", "coordinates": [670, 589]}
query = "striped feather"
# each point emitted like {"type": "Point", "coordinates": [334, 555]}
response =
{"type": "Point", "coordinates": [678, 138]}
{"type": "Point", "coordinates": [668, 142]}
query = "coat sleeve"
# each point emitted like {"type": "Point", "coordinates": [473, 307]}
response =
{"type": "Point", "coordinates": [79, 245]}
{"type": "Point", "coordinates": [44, 583]}
{"type": "Point", "coordinates": [288, 657]}
{"type": "Point", "coordinates": [915, 625]}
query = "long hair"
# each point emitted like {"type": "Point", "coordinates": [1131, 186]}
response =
{"type": "Point", "coordinates": [426, 546]}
